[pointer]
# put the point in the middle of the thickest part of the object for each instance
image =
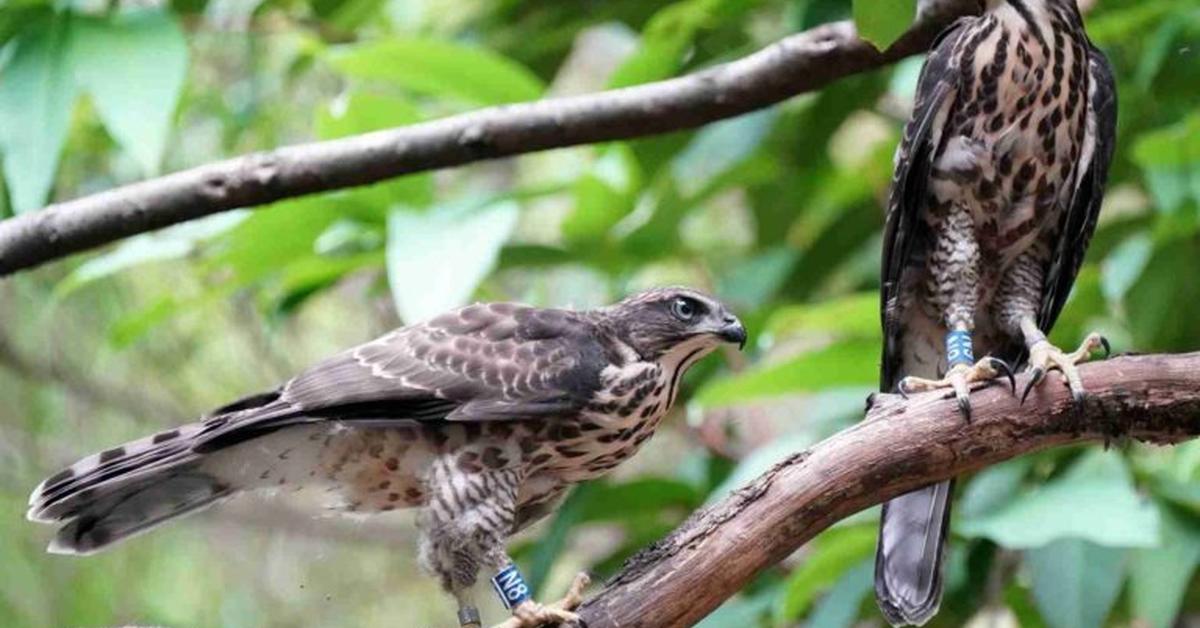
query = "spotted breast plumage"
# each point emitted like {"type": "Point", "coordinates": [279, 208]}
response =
{"type": "Point", "coordinates": [998, 184]}
{"type": "Point", "coordinates": [481, 418]}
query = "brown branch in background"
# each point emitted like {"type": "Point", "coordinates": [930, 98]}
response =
{"type": "Point", "coordinates": [797, 64]}
{"type": "Point", "coordinates": [900, 446]}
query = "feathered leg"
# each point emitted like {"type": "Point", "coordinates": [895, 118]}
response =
{"type": "Point", "coordinates": [471, 513]}
{"type": "Point", "coordinates": [1019, 301]}
{"type": "Point", "coordinates": [953, 289]}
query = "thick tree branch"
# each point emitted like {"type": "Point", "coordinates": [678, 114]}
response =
{"type": "Point", "coordinates": [797, 64]}
{"type": "Point", "coordinates": [900, 446]}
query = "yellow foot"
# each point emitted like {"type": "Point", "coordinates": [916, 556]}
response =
{"type": "Point", "coordinates": [960, 378]}
{"type": "Point", "coordinates": [530, 614]}
{"type": "Point", "coordinates": [1045, 357]}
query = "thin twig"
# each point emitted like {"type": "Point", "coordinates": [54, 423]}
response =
{"type": "Point", "coordinates": [797, 64]}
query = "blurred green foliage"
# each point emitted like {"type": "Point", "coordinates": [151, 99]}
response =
{"type": "Point", "coordinates": [778, 211]}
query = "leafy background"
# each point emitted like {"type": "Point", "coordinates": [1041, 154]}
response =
{"type": "Point", "coordinates": [778, 212]}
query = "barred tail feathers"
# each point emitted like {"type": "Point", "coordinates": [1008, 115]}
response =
{"type": "Point", "coordinates": [124, 490]}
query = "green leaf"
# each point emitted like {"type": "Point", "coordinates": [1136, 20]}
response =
{"type": "Point", "coordinates": [855, 315]}
{"type": "Point", "coordinates": [440, 68]}
{"type": "Point", "coordinates": [346, 237]}
{"type": "Point", "coordinates": [667, 37]}
{"type": "Point", "coordinates": [533, 255]}
{"type": "Point", "coordinates": [1020, 600]}
{"type": "Point", "coordinates": [850, 363]}
{"type": "Point", "coordinates": [882, 22]}
{"type": "Point", "coordinates": [1171, 159]}
{"type": "Point", "coordinates": [19, 16]}
{"type": "Point", "coordinates": [304, 277]}
{"type": "Point", "coordinates": [654, 60]}
{"type": "Point", "coordinates": [1095, 500]}
{"type": "Point", "coordinates": [263, 244]}
{"type": "Point", "coordinates": [131, 327]}
{"type": "Point", "coordinates": [1162, 309]}
{"type": "Point", "coordinates": [1175, 145]}
{"type": "Point", "coordinates": [719, 147]}
{"type": "Point", "coordinates": [1159, 577]}
{"type": "Point", "coordinates": [133, 66]}
{"type": "Point", "coordinates": [171, 243]}
{"type": "Point", "coordinates": [750, 282]}
{"type": "Point", "coordinates": [1123, 266]}
{"type": "Point", "coordinates": [1178, 492]}
{"type": "Point", "coordinates": [839, 607]}
{"type": "Point", "coordinates": [361, 111]}
{"type": "Point", "coordinates": [740, 610]}
{"type": "Point", "coordinates": [612, 501]}
{"type": "Point", "coordinates": [603, 197]}
{"type": "Point", "coordinates": [436, 259]}
{"type": "Point", "coordinates": [36, 96]}
{"type": "Point", "coordinates": [1075, 582]}
{"type": "Point", "coordinates": [347, 14]}
{"type": "Point", "coordinates": [993, 488]}
{"type": "Point", "coordinates": [833, 554]}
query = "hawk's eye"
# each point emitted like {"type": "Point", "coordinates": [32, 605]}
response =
{"type": "Point", "coordinates": [684, 309]}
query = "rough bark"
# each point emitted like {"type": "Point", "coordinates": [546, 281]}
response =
{"type": "Point", "coordinates": [901, 445]}
{"type": "Point", "coordinates": [794, 65]}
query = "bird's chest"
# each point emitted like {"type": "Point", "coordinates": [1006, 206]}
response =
{"type": "Point", "coordinates": [1012, 134]}
{"type": "Point", "coordinates": [613, 426]}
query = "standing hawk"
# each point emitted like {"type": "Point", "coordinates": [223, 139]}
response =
{"type": "Point", "coordinates": [481, 418]}
{"type": "Point", "coordinates": [997, 188]}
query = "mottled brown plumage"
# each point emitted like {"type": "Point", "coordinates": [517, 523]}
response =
{"type": "Point", "coordinates": [998, 183]}
{"type": "Point", "coordinates": [482, 418]}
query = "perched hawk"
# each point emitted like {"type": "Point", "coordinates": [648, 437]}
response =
{"type": "Point", "coordinates": [481, 418]}
{"type": "Point", "coordinates": [997, 187]}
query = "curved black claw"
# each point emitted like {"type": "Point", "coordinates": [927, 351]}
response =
{"type": "Point", "coordinates": [871, 401]}
{"type": "Point", "coordinates": [1079, 397]}
{"type": "Point", "coordinates": [1107, 347]}
{"type": "Point", "coordinates": [1006, 370]}
{"type": "Point", "coordinates": [1038, 374]}
{"type": "Point", "coordinates": [964, 406]}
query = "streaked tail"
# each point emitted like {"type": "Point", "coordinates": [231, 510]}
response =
{"type": "Point", "coordinates": [120, 492]}
{"type": "Point", "coordinates": [908, 558]}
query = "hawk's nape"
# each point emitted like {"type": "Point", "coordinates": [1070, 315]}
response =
{"type": "Point", "coordinates": [481, 419]}
{"type": "Point", "coordinates": [998, 183]}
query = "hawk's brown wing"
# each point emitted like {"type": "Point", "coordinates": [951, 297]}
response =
{"type": "Point", "coordinates": [903, 231]}
{"type": "Point", "coordinates": [480, 363]}
{"type": "Point", "coordinates": [1079, 221]}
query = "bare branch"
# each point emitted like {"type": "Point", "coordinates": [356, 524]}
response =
{"type": "Point", "coordinates": [797, 64]}
{"type": "Point", "coordinates": [900, 446]}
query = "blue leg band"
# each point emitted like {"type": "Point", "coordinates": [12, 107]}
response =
{"type": "Point", "coordinates": [510, 586]}
{"type": "Point", "coordinates": [958, 348]}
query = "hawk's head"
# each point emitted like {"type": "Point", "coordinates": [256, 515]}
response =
{"type": "Point", "coordinates": [677, 323]}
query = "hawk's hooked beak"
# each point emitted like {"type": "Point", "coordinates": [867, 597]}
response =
{"type": "Point", "coordinates": [732, 331]}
